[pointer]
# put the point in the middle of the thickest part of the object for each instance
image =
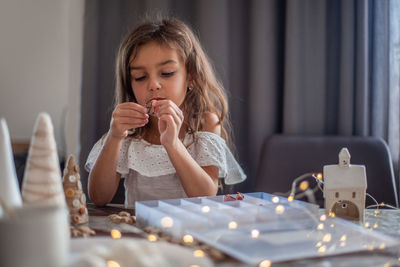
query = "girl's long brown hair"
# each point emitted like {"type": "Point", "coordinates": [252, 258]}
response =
{"type": "Point", "coordinates": [207, 93]}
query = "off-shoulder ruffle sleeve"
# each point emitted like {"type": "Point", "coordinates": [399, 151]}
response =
{"type": "Point", "coordinates": [211, 150]}
{"type": "Point", "coordinates": [153, 161]}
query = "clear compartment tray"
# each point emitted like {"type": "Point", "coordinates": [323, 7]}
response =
{"type": "Point", "coordinates": [259, 227]}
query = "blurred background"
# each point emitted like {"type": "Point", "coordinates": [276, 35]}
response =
{"type": "Point", "coordinates": [297, 67]}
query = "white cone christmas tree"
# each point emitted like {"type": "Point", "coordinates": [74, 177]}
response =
{"type": "Point", "coordinates": [9, 189]}
{"type": "Point", "coordinates": [75, 197]}
{"type": "Point", "coordinates": [42, 179]}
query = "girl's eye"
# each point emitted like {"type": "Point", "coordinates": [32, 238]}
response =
{"type": "Point", "coordinates": [167, 74]}
{"type": "Point", "coordinates": [141, 78]}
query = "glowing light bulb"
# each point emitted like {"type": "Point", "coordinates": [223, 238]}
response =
{"type": "Point", "coordinates": [115, 234]}
{"type": "Point", "coordinates": [382, 246]}
{"type": "Point", "coordinates": [275, 200]}
{"type": "Point", "coordinates": [290, 198]}
{"type": "Point", "coordinates": [167, 222]}
{"type": "Point", "coordinates": [265, 263]}
{"type": "Point", "coordinates": [320, 226]}
{"type": "Point", "coordinates": [232, 225]}
{"type": "Point", "coordinates": [255, 233]}
{"type": "Point", "coordinates": [318, 244]}
{"type": "Point", "coordinates": [366, 225]}
{"type": "Point", "coordinates": [322, 249]}
{"type": "Point", "coordinates": [279, 209]}
{"type": "Point", "coordinates": [343, 238]}
{"type": "Point", "coordinates": [188, 239]}
{"type": "Point", "coordinates": [375, 226]}
{"type": "Point", "coordinates": [319, 176]}
{"type": "Point", "coordinates": [152, 238]}
{"type": "Point", "coordinates": [303, 185]}
{"type": "Point", "coordinates": [198, 253]}
{"type": "Point", "coordinates": [112, 264]}
{"type": "Point", "coordinates": [322, 218]}
{"type": "Point", "coordinates": [343, 244]}
{"type": "Point", "coordinates": [327, 238]}
{"type": "Point", "coordinates": [205, 209]}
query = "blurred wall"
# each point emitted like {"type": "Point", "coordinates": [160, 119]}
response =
{"type": "Point", "coordinates": [39, 65]}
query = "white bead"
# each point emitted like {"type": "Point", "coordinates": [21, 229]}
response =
{"type": "Point", "coordinates": [83, 199]}
{"type": "Point", "coordinates": [75, 203]}
{"type": "Point", "coordinates": [72, 178]}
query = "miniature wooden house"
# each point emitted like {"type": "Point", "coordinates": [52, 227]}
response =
{"type": "Point", "coordinates": [345, 188]}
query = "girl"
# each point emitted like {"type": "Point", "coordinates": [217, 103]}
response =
{"type": "Point", "coordinates": [168, 130]}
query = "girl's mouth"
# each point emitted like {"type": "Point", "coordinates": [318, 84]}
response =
{"type": "Point", "coordinates": [157, 98]}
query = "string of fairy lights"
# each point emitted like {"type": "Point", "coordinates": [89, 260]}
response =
{"type": "Point", "coordinates": [318, 177]}
{"type": "Point", "coordinates": [300, 188]}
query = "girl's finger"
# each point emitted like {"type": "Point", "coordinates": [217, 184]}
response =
{"type": "Point", "coordinates": [124, 123]}
{"type": "Point", "coordinates": [164, 103]}
{"type": "Point", "coordinates": [176, 115]}
{"type": "Point", "coordinates": [132, 114]}
{"type": "Point", "coordinates": [177, 119]}
{"type": "Point", "coordinates": [125, 127]}
{"type": "Point", "coordinates": [170, 108]}
{"type": "Point", "coordinates": [124, 120]}
{"type": "Point", "coordinates": [132, 106]}
{"type": "Point", "coordinates": [166, 121]}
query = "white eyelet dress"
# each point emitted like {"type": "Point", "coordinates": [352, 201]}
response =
{"type": "Point", "coordinates": [150, 175]}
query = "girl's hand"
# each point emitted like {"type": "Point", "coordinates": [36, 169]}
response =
{"type": "Point", "coordinates": [126, 116]}
{"type": "Point", "coordinates": [170, 119]}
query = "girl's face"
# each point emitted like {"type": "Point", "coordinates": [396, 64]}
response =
{"type": "Point", "coordinates": [158, 72]}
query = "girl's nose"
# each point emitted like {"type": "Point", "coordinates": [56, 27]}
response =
{"type": "Point", "coordinates": [154, 85]}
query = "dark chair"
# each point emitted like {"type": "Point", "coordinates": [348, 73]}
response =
{"type": "Point", "coordinates": [20, 161]}
{"type": "Point", "coordinates": [285, 157]}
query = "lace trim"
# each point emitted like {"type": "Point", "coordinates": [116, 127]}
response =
{"type": "Point", "coordinates": [152, 160]}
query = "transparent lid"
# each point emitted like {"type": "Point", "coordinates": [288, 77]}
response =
{"type": "Point", "coordinates": [259, 227]}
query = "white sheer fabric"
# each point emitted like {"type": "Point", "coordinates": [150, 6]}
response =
{"type": "Point", "coordinates": [150, 174]}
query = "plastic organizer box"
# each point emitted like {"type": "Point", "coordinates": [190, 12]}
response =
{"type": "Point", "coordinates": [259, 227]}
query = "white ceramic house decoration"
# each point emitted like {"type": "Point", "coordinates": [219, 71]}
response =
{"type": "Point", "coordinates": [345, 188]}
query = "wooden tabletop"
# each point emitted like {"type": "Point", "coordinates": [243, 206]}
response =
{"type": "Point", "coordinates": [387, 221]}
{"type": "Point", "coordinates": [106, 210]}
{"type": "Point", "coordinates": [102, 225]}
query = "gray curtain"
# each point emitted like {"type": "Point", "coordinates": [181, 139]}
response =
{"type": "Point", "coordinates": [311, 67]}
